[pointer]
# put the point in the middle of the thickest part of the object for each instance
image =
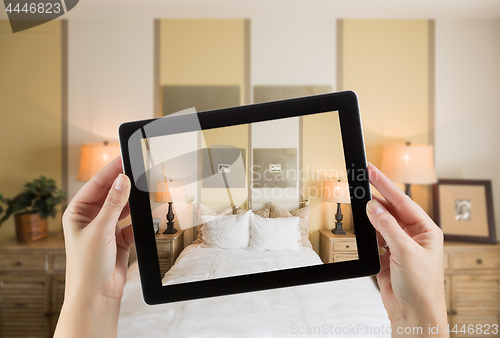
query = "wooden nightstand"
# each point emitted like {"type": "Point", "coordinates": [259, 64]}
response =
{"type": "Point", "coordinates": [31, 286]}
{"type": "Point", "coordinates": [169, 247]}
{"type": "Point", "coordinates": [337, 248]}
{"type": "Point", "coordinates": [472, 284]}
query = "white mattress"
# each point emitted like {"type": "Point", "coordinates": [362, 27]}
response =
{"type": "Point", "coordinates": [196, 263]}
{"type": "Point", "coordinates": [349, 308]}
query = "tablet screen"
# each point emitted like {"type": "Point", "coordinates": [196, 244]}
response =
{"type": "Point", "coordinates": [249, 198]}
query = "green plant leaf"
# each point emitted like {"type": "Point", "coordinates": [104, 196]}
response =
{"type": "Point", "coordinates": [38, 196]}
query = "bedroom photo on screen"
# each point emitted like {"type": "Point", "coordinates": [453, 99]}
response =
{"type": "Point", "coordinates": [248, 198]}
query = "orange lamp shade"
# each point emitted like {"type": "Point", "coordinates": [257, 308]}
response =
{"type": "Point", "coordinates": [162, 192]}
{"type": "Point", "coordinates": [94, 157]}
{"type": "Point", "coordinates": [336, 192]}
{"type": "Point", "coordinates": [410, 164]}
{"type": "Point", "coordinates": [170, 191]}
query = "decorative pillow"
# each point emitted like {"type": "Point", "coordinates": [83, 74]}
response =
{"type": "Point", "coordinates": [302, 213]}
{"type": "Point", "coordinates": [227, 232]}
{"type": "Point", "coordinates": [262, 213]}
{"type": "Point", "coordinates": [208, 214]}
{"type": "Point", "coordinates": [274, 233]}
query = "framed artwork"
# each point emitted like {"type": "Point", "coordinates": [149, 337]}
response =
{"type": "Point", "coordinates": [230, 161]}
{"type": "Point", "coordinates": [156, 225]}
{"type": "Point", "coordinates": [274, 168]}
{"type": "Point", "coordinates": [177, 98]}
{"type": "Point", "coordinates": [463, 209]}
{"type": "Point", "coordinates": [283, 92]}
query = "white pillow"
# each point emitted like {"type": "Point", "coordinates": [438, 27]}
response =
{"type": "Point", "coordinates": [227, 232]}
{"type": "Point", "coordinates": [274, 233]}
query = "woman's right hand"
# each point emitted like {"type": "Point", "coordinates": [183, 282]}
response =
{"type": "Point", "coordinates": [411, 277]}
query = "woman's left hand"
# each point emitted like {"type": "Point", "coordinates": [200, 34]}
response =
{"type": "Point", "coordinates": [97, 252]}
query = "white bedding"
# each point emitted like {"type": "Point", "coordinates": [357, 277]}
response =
{"type": "Point", "coordinates": [349, 308]}
{"type": "Point", "coordinates": [196, 263]}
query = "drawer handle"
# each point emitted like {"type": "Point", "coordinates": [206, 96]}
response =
{"type": "Point", "coordinates": [19, 263]}
{"type": "Point", "coordinates": [479, 261]}
{"type": "Point", "coordinates": [347, 246]}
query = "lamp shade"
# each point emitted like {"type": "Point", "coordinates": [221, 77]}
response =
{"type": "Point", "coordinates": [410, 164]}
{"type": "Point", "coordinates": [170, 191]}
{"type": "Point", "coordinates": [94, 157]}
{"type": "Point", "coordinates": [337, 192]}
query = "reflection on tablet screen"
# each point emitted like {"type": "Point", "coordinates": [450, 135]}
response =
{"type": "Point", "coordinates": [249, 198]}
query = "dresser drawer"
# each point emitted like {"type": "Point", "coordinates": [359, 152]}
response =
{"type": "Point", "coordinates": [163, 246]}
{"type": "Point", "coordinates": [475, 260]}
{"type": "Point", "coordinates": [59, 262]}
{"type": "Point", "coordinates": [164, 261]}
{"type": "Point", "coordinates": [344, 257]}
{"type": "Point", "coordinates": [23, 262]}
{"type": "Point", "coordinates": [345, 246]}
{"type": "Point", "coordinates": [446, 261]}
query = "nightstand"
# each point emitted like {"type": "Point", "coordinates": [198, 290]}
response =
{"type": "Point", "coordinates": [472, 285]}
{"type": "Point", "coordinates": [337, 248]}
{"type": "Point", "coordinates": [169, 247]}
{"type": "Point", "coordinates": [31, 286]}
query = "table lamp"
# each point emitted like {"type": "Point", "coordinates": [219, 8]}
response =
{"type": "Point", "coordinates": [337, 192]}
{"type": "Point", "coordinates": [409, 164]}
{"type": "Point", "coordinates": [169, 191]}
{"type": "Point", "coordinates": [94, 157]}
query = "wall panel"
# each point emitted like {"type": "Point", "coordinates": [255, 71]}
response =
{"type": "Point", "coordinates": [468, 102]}
{"type": "Point", "coordinates": [387, 62]}
{"type": "Point", "coordinates": [203, 57]}
{"type": "Point", "coordinates": [30, 108]}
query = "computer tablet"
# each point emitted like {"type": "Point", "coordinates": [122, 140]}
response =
{"type": "Point", "coordinates": [245, 199]}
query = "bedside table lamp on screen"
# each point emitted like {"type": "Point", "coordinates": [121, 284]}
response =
{"type": "Point", "coordinates": [94, 157]}
{"type": "Point", "coordinates": [409, 164]}
{"type": "Point", "coordinates": [169, 191]}
{"type": "Point", "coordinates": [337, 192]}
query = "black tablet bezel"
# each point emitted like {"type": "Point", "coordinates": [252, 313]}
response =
{"type": "Point", "coordinates": [346, 104]}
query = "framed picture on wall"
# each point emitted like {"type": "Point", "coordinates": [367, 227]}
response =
{"type": "Point", "coordinates": [463, 209]}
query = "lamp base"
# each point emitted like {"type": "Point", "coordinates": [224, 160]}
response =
{"type": "Point", "coordinates": [408, 190]}
{"type": "Point", "coordinates": [170, 229]}
{"type": "Point", "coordinates": [338, 230]}
{"type": "Point", "coordinates": [338, 224]}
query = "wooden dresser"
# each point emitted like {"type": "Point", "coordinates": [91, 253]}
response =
{"type": "Point", "coordinates": [472, 284]}
{"type": "Point", "coordinates": [31, 286]}
{"type": "Point", "coordinates": [337, 248]}
{"type": "Point", "coordinates": [169, 247]}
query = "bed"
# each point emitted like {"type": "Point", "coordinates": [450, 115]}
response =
{"type": "Point", "coordinates": [196, 263]}
{"type": "Point", "coordinates": [341, 308]}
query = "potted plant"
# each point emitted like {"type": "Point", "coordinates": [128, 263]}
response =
{"type": "Point", "coordinates": [32, 207]}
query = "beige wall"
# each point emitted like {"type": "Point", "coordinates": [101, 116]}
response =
{"type": "Point", "coordinates": [202, 52]}
{"type": "Point", "coordinates": [388, 64]}
{"type": "Point", "coordinates": [323, 160]}
{"type": "Point", "coordinates": [235, 136]}
{"type": "Point", "coordinates": [30, 110]}
{"type": "Point", "coordinates": [468, 102]}
{"type": "Point", "coordinates": [206, 53]}
{"type": "Point", "coordinates": [110, 81]}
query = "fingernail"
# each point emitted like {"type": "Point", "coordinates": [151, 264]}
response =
{"type": "Point", "coordinates": [374, 207]}
{"type": "Point", "coordinates": [381, 251]}
{"type": "Point", "coordinates": [121, 182]}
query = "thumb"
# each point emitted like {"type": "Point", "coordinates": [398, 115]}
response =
{"type": "Point", "coordinates": [114, 203]}
{"type": "Point", "coordinates": [388, 226]}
